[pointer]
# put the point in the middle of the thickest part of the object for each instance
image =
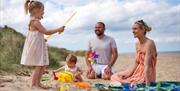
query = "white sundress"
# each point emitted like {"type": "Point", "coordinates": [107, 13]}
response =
{"type": "Point", "coordinates": [35, 51]}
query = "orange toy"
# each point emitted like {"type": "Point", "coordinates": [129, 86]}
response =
{"type": "Point", "coordinates": [83, 85]}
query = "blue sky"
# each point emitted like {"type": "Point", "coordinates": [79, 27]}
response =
{"type": "Point", "coordinates": [173, 1]}
{"type": "Point", "coordinates": [162, 15]}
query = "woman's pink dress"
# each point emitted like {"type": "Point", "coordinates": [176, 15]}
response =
{"type": "Point", "coordinates": [138, 75]}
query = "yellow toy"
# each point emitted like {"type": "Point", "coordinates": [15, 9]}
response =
{"type": "Point", "coordinates": [64, 88]}
{"type": "Point", "coordinates": [65, 76]}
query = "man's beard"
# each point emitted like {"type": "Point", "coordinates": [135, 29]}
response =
{"type": "Point", "coordinates": [98, 33]}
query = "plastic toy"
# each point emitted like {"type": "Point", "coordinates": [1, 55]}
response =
{"type": "Point", "coordinates": [65, 76]}
{"type": "Point", "coordinates": [92, 57]}
{"type": "Point", "coordinates": [83, 85]}
{"type": "Point", "coordinates": [64, 88]}
{"type": "Point", "coordinates": [55, 77]}
{"type": "Point", "coordinates": [46, 78]}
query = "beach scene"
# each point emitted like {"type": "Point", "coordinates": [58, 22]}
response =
{"type": "Point", "coordinates": [83, 20]}
{"type": "Point", "coordinates": [14, 82]}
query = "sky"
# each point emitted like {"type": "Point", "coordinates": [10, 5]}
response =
{"type": "Point", "coordinates": [119, 15]}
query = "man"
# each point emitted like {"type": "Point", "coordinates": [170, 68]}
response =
{"type": "Point", "coordinates": [105, 47]}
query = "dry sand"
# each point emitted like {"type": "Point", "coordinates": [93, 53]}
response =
{"type": "Point", "coordinates": [168, 69]}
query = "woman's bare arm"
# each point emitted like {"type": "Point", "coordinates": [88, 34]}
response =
{"type": "Point", "coordinates": [147, 62]}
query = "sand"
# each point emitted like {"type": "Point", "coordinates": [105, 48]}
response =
{"type": "Point", "coordinates": [168, 69]}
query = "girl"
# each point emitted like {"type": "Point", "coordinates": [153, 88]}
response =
{"type": "Point", "coordinates": [144, 69]}
{"type": "Point", "coordinates": [71, 61]}
{"type": "Point", "coordinates": [35, 50]}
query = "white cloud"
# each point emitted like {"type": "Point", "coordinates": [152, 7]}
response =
{"type": "Point", "coordinates": [12, 14]}
{"type": "Point", "coordinates": [165, 37]}
{"type": "Point", "coordinates": [118, 16]}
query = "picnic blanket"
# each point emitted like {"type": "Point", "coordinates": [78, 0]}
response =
{"type": "Point", "coordinates": [154, 86]}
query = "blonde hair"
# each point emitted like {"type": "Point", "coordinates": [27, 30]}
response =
{"type": "Point", "coordinates": [30, 5]}
{"type": "Point", "coordinates": [143, 26]}
{"type": "Point", "coordinates": [71, 58]}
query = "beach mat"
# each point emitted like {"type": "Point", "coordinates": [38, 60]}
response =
{"type": "Point", "coordinates": [154, 86]}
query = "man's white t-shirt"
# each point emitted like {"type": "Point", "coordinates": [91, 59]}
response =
{"type": "Point", "coordinates": [102, 47]}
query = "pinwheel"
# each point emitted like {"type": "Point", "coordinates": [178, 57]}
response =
{"type": "Point", "coordinates": [92, 57]}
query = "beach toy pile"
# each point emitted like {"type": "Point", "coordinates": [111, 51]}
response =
{"type": "Point", "coordinates": [67, 77]}
{"type": "Point", "coordinates": [64, 76]}
{"type": "Point", "coordinates": [92, 57]}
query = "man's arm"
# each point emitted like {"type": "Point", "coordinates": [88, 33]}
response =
{"type": "Point", "coordinates": [114, 57]}
{"type": "Point", "coordinates": [114, 54]}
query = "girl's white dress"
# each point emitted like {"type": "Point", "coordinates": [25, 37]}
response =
{"type": "Point", "coordinates": [35, 51]}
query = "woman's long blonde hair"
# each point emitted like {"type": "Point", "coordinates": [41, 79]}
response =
{"type": "Point", "coordinates": [30, 5]}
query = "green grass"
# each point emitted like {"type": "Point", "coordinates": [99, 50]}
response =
{"type": "Point", "coordinates": [11, 44]}
{"type": "Point", "coordinates": [11, 47]}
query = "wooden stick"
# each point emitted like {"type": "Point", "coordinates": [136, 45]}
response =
{"type": "Point", "coordinates": [69, 19]}
{"type": "Point", "coordinates": [48, 36]}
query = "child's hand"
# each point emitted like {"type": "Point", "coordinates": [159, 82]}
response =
{"type": "Point", "coordinates": [78, 73]}
{"type": "Point", "coordinates": [51, 73]}
{"type": "Point", "coordinates": [61, 29]}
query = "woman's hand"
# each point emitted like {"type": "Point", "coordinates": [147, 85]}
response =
{"type": "Point", "coordinates": [126, 76]}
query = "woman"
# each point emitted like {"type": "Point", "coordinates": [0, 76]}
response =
{"type": "Point", "coordinates": [144, 69]}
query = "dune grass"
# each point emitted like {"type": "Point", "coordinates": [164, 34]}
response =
{"type": "Point", "coordinates": [11, 47]}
